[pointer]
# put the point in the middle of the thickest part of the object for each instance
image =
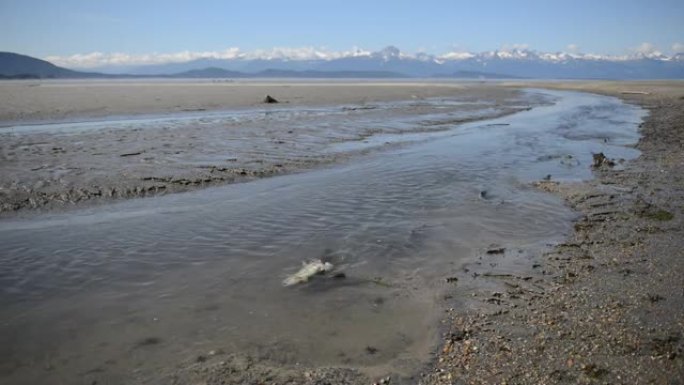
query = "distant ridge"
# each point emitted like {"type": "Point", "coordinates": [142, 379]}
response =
{"type": "Point", "coordinates": [209, 72]}
{"type": "Point", "coordinates": [213, 72]}
{"type": "Point", "coordinates": [330, 74]}
{"type": "Point", "coordinates": [16, 66]}
{"type": "Point", "coordinates": [476, 75]}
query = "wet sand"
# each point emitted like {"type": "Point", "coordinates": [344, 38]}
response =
{"type": "Point", "coordinates": [606, 306]}
{"type": "Point", "coordinates": [600, 308]}
{"type": "Point", "coordinates": [36, 101]}
{"type": "Point", "coordinates": [196, 135]}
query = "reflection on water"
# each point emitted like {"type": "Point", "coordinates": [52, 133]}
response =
{"type": "Point", "coordinates": [120, 292]}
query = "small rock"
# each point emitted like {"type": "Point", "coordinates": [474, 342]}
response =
{"type": "Point", "coordinates": [149, 341]}
{"type": "Point", "coordinates": [601, 160]}
{"type": "Point", "coordinates": [130, 154]}
{"type": "Point", "coordinates": [655, 298]}
{"type": "Point", "coordinates": [595, 372]}
{"type": "Point", "coordinates": [270, 100]}
{"type": "Point", "coordinates": [214, 352]}
{"type": "Point", "coordinates": [456, 335]}
{"type": "Point", "coordinates": [499, 250]}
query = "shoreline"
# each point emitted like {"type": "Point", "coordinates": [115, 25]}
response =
{"type": "Point", "coordinates": [606, 306]}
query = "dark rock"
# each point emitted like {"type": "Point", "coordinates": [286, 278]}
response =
{"type": "Point", "coordinates": [270, 100]}
{"type": "Point", "coordinates": [594, 371]}
{"type": "Point", "coordinates": [457, 335]}
{"type": "Point", "coordinates": [668, 346]}
{"type": "Point", "coordinates": [371, 350]}
{"type": "Point", "coordinates": [148, 341]}
{"type": "Point", "coordinates": [130, 154]}
{"type": "Point", "coordinates": [655, 298]}
{"type": "Point", "coordinates": [601, 160]}
{"type": "Point", "coordinates": [499, 250]}
{"type": "Point", "coordinates": [339, 275]}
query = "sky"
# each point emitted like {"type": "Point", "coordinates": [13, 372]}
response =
{"type": "Point", "coordinates": [135, 28]}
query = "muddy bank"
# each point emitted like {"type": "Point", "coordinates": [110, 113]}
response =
{"type": "Point", "coordinates": [59, 164]}
{"type": "Point", "coordinates": [604, 307]}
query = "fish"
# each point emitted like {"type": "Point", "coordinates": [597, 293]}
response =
{"type": "Point", "coordinates": [308, 270]}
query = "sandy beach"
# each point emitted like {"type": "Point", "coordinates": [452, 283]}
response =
{"type": "Point", "coordinates": [605, 305]}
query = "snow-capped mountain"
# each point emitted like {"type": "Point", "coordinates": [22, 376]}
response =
{"type": "Point", "coordinates": [390, 61]}
{"type": "Point", "coordinates": [514, 63]}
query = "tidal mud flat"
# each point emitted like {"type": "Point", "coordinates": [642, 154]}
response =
{"type": "Point", "coordinates": [122, 294]}
{"type": "Point", "coordinates": [187, 288]}
{"type": "Point", "coordinates": [77, 143]}
{"type": "Point", "coordinates": [607, 305]}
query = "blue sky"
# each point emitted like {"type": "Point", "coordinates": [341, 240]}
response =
{"type": "Point", "coordinates": [67, 27]}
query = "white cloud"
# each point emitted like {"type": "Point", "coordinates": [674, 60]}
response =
{"type": "Point", "coordinates": [572, 48]}
{"type": "Point", "coordinates": [678, 48]}
{"type": "Point", "coordinates": [99, 59]}
{"type": "Point", "coordinates": [303, 53]}
{"type": "Point", "coordinates": [646, 49]}
{"type": "Point", "coordinates": [458, 55]}
{"type": "Point", "coordinates": [514, 47]}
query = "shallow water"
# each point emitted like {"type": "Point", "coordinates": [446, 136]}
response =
{"type": "Point", "coordinates": [128, 290]}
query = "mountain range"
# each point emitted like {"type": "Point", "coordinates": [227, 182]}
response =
{"type": "Point", "coordinates": [387, 63]}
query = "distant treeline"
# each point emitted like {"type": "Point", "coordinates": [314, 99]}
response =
{"type": "Point", "coordinates": [23, 76]}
